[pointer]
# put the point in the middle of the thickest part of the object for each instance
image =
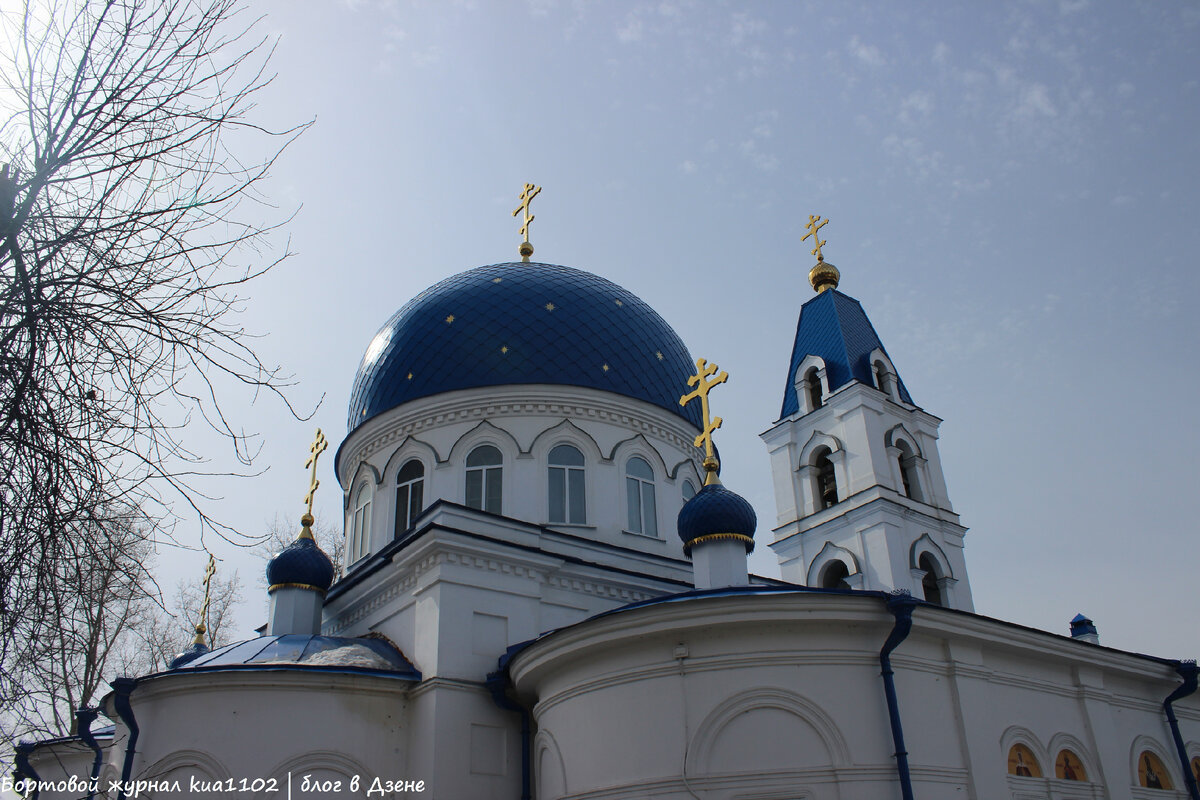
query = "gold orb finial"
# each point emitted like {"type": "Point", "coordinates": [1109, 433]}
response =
{"type": "Point", "coordinates": [824, 276]}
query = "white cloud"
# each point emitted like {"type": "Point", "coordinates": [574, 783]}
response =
{"type": "Point", "coordinates": [631, 31]}
{"type": "Point", "coordinates": [688, 167]}
{"type": "Point", "coordinates": [1035, 102]}
{"type": "Point", "coordinates": [866, 53]}
{"type": "Point", "coordinates": [916, 106]}
{"type": "Point", "coordinates": [1125, 89]}
{"type": "Point", "coordinates": [941, 53]}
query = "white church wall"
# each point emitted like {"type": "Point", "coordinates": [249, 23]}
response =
{"type": "Point", "coordinates": [782, 693]}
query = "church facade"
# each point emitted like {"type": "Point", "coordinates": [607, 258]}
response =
{"type": "Point", "coordinates": [545, 595]}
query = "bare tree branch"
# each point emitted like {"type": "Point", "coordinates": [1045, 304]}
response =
{"type": "Point", "coordinates": [125, 216]}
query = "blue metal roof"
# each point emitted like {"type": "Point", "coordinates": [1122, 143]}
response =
{"type": "Point", "coordinates": [834, 327]}
{"type": "Point", "coordinates": [517, 323]}
{"type": "Point", "coordinates": [295, 650]}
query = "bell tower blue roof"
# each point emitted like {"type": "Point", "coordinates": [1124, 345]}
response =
{"type": "Point", "coordinates": [835, 327]}
{"type": "Point", "coordinates": [521, 323]}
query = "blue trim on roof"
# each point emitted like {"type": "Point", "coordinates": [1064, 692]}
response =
{"type": "Point", "coordinates": [835, 327]}
{"type": "Point", "coordinates": [522, 323]}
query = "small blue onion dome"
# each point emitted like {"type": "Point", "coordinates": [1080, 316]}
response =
{"type": "Point", "coordinates": [301, 564]}
{"type": "Point", "coordinates": [522, 323]}
{"type": "Point", "coordinates": [716, 513]}
{"type": "Point", "coordinates": [189, 655]}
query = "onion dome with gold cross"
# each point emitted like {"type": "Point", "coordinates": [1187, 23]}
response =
{"type": "Point", "coordinates": [714, 513]}
{"type": "Point", "coordinates": [301, 564]}
{"type": "Point", "coordinates": [522, 323]}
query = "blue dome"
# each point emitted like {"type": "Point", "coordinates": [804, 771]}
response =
{"type": "Point", "coordinates": [301, 562]}
{"type": "Point", "coordinates": [520, 323]}
{"type": "Point", "coordinates": [189, 655]}
{"type": "Point", "coordinates": [716, 511]}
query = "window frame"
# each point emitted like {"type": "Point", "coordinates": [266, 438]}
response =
{"type": "Point", "coordinates": [409, 511]}
{"type": "Point", "coordinates": [360, 524]}
{"type": "Point", "coordinates": [572, 475]}
{"type": "Point", "coordinates": [643, 487]}
{"type": "Point", "coordinates": [491, 476]}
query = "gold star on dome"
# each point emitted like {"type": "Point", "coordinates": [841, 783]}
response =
{"type": "Point", "coordinates": [449, 318]}
{"type": "Point", "coordinates": [504, 350]}
{"type": "Point", "coordinates": [550, 306]}
{"type": "Point", "coordinates": [410, 376]}
{"type": "Point", "coordinates": [605, 368]}
{"type": "Point", "coordinates": [497, 280]}
{"type": "Point", "coordinates": [658, 354]}
{"type": "Point", "coordinates": [618, 302]}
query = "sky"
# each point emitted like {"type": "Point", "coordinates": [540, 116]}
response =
{"type": "Point", "coordinates": [1012, 191]}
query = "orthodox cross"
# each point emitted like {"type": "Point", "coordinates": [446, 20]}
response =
{"type": "Point", "coordinates": [703, 386]}
{"type": "Point", "coordinates": [813, 227]}
{"type": "Point", "coordinates": [319, 445]}
{"type": "Point", "coordinates": [209, 572]}
{"type": "Point", "coordinates": [527, 194]}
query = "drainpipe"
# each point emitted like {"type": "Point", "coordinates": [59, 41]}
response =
{"type": "Point", "coordinates": [497, 683]}
{"type": "Point", "coordinates": [901, 605]}
{"type": "Point", "coordinates": [25, 770]}
{"type": "Point", "coordinates": [1188, 671]}
{"type": "Point", "coordinates": [123, 688]}
{"type": "Point", "coordinates": [84, 718]}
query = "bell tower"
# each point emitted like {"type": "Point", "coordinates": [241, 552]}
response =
{"type": "Point", "coordinates": [859, 490]}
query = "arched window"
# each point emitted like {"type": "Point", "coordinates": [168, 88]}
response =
{"type": "Point", "coordinates": [834, 575]}
{"type": "Point", "coordinates": [1023, 763]}
{"type": "Point", "coordinates": [826, 480]}
{"type": "Point", "coordinates": [1151, 772]}
{"type": "Point", "coordinates": [812, 385]}
{"type": "Point", "coordinates": [484, 473]}
{"type": "Point", "coordinates": [689, 491]}
{"type": "Point", "coordinates": [360, 524]}
{"type": "Point", "coordinates": [410, 494]}
{"type": "Point", "coordinates": [1068, 767]}
{"type": "Point", "coordinates": [639, 487]}
{"type": "Point", "coordinates": [883, 378]}
{"type": "Point", "coordinates": [908, 471]}
{"type": "Point", "coordinates": [567, 502]}
{"type": "Point", "coordinates": [929, 583]}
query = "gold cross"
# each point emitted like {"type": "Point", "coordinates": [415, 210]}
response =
{"type": "Point", "coordinates": [202, 625]}
{"type": "Point", "coordinates": [527, 194]}
{"type": "Point", "coordinates": [813, 227]}
{"type": "Point", "coordinates": [703, 387]}
{"type": "Point", "coordinates": [319, 445]}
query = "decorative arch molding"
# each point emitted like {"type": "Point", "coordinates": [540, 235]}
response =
{"type": "Point", "coordinates": [693, 474]}
{"type": "Point", "coordinates": [892, 387]}
{"type": "Point", "coordinates": [330, 760]}
{"type": "Point", "coordinates": [926, 546]}
{"type": "Point", "coordinates": [899, 433]}
{"type": "Point", "coordinates": [180, 759]}
{"type": "Point", "coordinates": [545, 746]}
{"type": "Point", "coordinates": [1168, 758]}
{"type": "Point", "coordinates": [483, 433]}
{"type": "Point", "coordinates": [1065, 741]}
{"type": "Point", "coordinates": [700, 750]}
{"type": "Point", "coordinates": [638, 445]}
{"type": "Point", "coordinates": [406, 451]}
{"type": "Point", "coordinates": [831, 552]}
{"type": "Point", "coordinates": [364, 474]}
{"type": "Point", "coordinates": [565, 432]}
{"type": "Point", "coordinates": [816, 441]}
{"type": "Point", "coordinates": [810, 362]}
{"type": "Point", "coordinates": [1016, 734]}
